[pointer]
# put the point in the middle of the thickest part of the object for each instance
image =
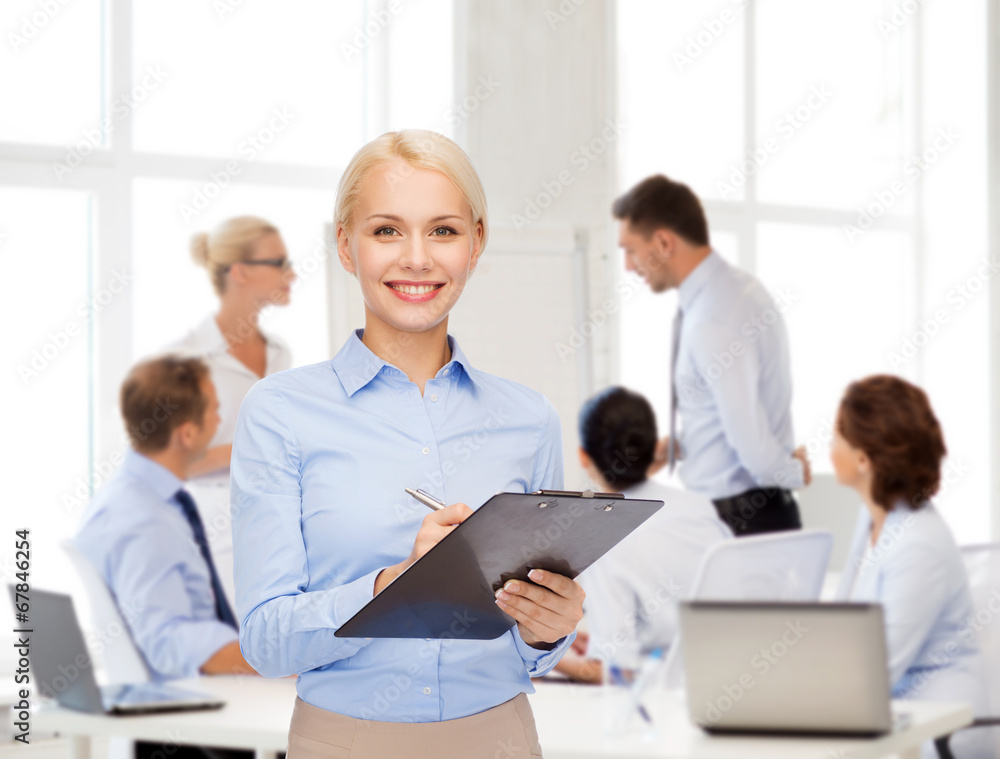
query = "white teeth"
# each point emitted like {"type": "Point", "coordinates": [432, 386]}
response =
{"type": "Point", "coordinates": [414, 289]}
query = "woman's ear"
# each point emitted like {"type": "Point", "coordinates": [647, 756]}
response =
{"type": "Point", "coordinates": [864, 463]}
{"type": "Point", "coordinates": [585, 460]}
{"type": "Point", "coordinates": [344, 250]}
{"type": "Point", "coordinates": [477, 246]}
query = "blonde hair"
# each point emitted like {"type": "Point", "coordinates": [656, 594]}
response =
{"type": "Point", "coordinates": [422, 149]}
{"type": "Point", "coordinates": [229, 243]}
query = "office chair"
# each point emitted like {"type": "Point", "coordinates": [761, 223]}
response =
{"type": "Point", "coordinates": [122, 661]}
{"type": "Point", "coordinates": [780, 566]}
{"type": "Point", "coordinates": [982, 563]}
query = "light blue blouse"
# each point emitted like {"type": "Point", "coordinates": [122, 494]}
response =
{"type": "Point", "coordinates": [916, 572]}
{"type": "Point", "coordinates": [321, 456]}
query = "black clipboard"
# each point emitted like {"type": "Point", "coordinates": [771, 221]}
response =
{"type": "Point", "coordinates": [449, 591]}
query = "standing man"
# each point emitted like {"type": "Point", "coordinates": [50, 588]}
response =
{"type": "Point", "coordinates": [731, 382]}
{"type": "Point", "coordinates": [143, 534]}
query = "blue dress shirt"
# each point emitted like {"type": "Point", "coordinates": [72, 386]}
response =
{"type": "Point", "coordinates": [734, 385]}
{"type": "Point", "coordinates": [135, 533]}
{"type": "Point", "coordinates": [321, 456]}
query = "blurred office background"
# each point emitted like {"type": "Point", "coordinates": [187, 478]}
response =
{"type": "Point", "coordinates": [847, 153]}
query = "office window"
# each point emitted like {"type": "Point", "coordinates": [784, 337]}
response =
{"type": "Point", "coordinates": [215, 110]}
{"type": "Point", "coordinates": [52, 74]}
{"type": "Point", "coordinates": [678, 88]}
{"type": "Point", "coordinates": [49, 308]}
{"type": "Point", "coordinates": [856, 179]}
{"type": "Point", "coordinates": [255, 82]}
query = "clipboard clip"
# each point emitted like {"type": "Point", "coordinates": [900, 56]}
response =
{"type": "Point", "coordinates": [578, 494]}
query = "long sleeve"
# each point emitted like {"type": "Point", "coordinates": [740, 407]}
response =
{"type": "Point", "coordinates": [284, 629]}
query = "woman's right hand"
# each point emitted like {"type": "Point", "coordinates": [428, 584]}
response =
{"type": "Point", "coordinates": [436, 525]}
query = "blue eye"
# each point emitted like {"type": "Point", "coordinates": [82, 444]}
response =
{"type": "Point", "coordinates": [447, 231]}
{"type": "Point", "coordinates": [384, 232]}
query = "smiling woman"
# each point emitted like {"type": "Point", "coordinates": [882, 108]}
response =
{"type": "Point", "coordinates": [322, 454]}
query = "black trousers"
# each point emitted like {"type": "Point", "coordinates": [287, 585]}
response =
{"type": "Point", "coordinates": [759, 511]}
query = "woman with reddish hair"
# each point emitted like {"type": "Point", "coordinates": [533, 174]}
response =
{"type": "Point", "coordinates": [888, 446]}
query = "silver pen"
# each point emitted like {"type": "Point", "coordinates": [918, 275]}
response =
{"type": "Point", "coordinates": [426, 499]}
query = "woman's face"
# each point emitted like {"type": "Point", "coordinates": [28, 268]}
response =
{"type": "Point", "coordinates": [412, 245]}
{"type": "Point", "coordinates": [850, 464]}
{"type": "Point", "coordinates": [267, 283]}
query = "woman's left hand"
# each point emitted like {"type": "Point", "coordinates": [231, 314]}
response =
{"type": "Point", "coordinates": [546, 609]}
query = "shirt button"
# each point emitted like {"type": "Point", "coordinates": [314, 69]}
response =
{"type": "Point", "coordinates": [427, 691]}
{"type": "Point", "coordinates": [426, 450]}
{"type": "Point", "coordinates": [434, 397]}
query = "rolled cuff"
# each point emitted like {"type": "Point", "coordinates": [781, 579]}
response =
{"type": "Point", "coordinates": [539, 661]}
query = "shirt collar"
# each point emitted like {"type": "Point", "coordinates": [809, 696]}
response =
{"type": "Point", "coordinates": [163, 482]}
{"type": "Point", "coordinates": [356, 365]}
{"type": "Point", "coordinates": [698, 278]}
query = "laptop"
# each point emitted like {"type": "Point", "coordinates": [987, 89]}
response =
{"type": "Point", "coordinates": [787, 668]}
{"type": "Point", "coordinates": [62, 669]}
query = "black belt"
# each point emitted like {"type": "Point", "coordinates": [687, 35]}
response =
{"type": "Point", "coordinates": [760, 510]}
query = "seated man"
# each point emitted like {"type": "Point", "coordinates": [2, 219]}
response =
{"type": "Point", "coordinates": [143, 534]}
{"type": "Point", "coordinates": [632, 591]}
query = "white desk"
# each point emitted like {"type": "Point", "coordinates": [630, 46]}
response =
{"type": "Point", "coordinates": [570, 720]}
{"type": "Point", "coordinates": [571, 725]}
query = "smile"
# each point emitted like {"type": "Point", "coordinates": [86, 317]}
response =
{"type": "Point", "coordinates": [414, 293]}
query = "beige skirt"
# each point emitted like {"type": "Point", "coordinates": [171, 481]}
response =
{"type": "Point", "coordinates": [506, 731]}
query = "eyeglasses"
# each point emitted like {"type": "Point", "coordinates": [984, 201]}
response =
{"type": "Point", "coordinates": [277, 263]}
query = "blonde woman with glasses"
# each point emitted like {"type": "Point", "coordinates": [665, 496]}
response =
{"type": "Point", "coordinates": [322, 455]}
{"type": "Point", "coordinates": [249, 268]}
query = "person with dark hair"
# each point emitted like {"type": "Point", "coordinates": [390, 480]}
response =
{"type": "Point", "coordinates": [730, 379]}
{"type": "Point", "coordinates": [143, 534]}
{"type": "Point", "coordinates": [888, 446]}
{"type": "Point", "coordinates": [632, 592]}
